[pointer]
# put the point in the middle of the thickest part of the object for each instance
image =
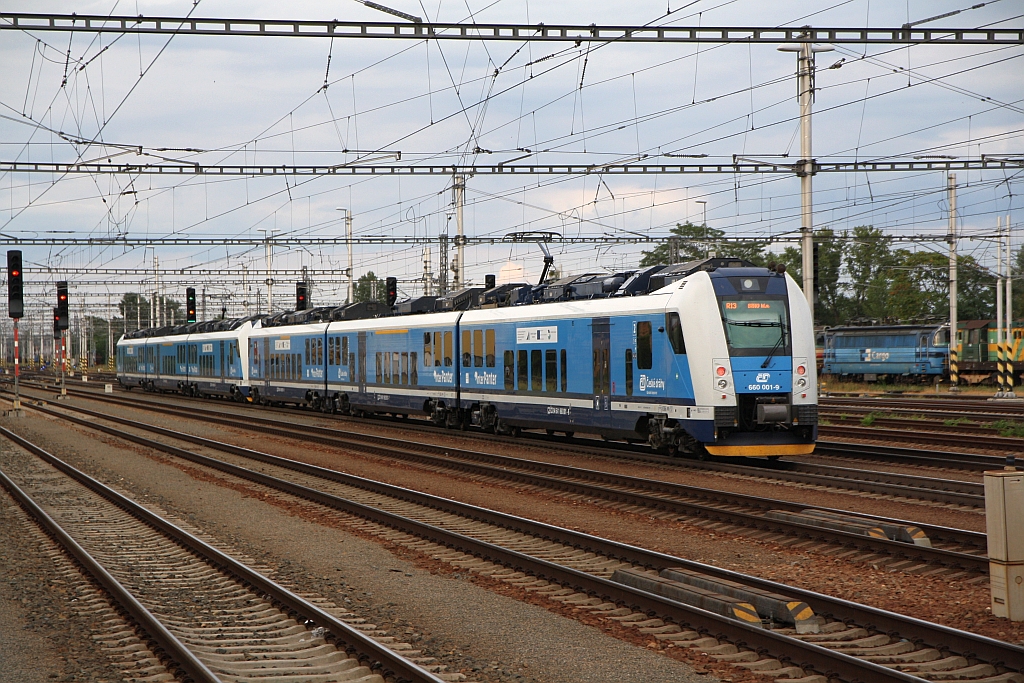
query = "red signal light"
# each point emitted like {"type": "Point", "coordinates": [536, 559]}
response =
{"type": "Point", "coordinates": [15, 273]}
{"type": "Point", "coordinates": [720, 371]}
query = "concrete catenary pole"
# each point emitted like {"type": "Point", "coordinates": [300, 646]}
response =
{"type": "Point", "coordinates": [1011, 347]}
{"type": "Point", "coordinates": [460, 240]}
{"type": "Point", "coordinates": [1000, 370]}
{"type": "Point", "coordinates": [954, 346]}
{"type": "Point", "coordinates": [805, 168]}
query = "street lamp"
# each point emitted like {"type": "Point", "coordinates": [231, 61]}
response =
{"type": "Point", "coordinates": [348, 235]}
{"type": "Point", "coordinates": [704, 206]}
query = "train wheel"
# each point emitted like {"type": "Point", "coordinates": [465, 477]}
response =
{"type": "Point", "coordinates": [516, 432]}
{"type": "Point", "coordinates": [551, 432]}
{"type": "Point", "coordinates": [569, 435]}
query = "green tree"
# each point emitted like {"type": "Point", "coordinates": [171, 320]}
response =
{"type": "Point", "coordinates": [918, 285]}
{"type": "Point", "coordinates": [976, 293]}
{"type": "Point", "coordinates": [369, 287]}
{"type": "Point", "coordinates": [134, 310]}
{"type": "Point", "coordinates": [691, 242]}
{"type": "Point", "coordinates": [868, 261]}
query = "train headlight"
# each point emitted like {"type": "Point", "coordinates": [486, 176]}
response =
{"type": "Point", "coordinates": [723, 383]}
{"type": "Point", "coordinates": [801, 370]}
{"type": "Point", "coordinates": [801, 382]}
{"type": "Point", "coordinates": [720, 371]}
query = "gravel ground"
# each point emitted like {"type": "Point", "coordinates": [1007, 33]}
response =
{"type": "Point", "coordinates": [954, 603]}
{"type": "Point", "coordinates": [42, 639]}
{"type": "Point", "coordinates": [487, 635]}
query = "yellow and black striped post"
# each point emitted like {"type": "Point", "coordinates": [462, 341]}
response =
{"type": "Point", "coordinates": [1000, 368]}
{"type": "Point", "coordinates": [1010, 350]}
{"type": "Point", "coordinates": [954, 371]}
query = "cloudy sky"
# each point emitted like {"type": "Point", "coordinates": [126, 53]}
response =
{"type": "Point", "coordinates": [262, 100]}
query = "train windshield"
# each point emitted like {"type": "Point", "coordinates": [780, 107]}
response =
{"type": "Point", "coordinates": [756, 325]}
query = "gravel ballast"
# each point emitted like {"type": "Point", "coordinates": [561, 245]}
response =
{"type": "Point", "coordinates": [486, 635]}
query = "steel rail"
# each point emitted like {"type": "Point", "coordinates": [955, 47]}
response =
{"type": "Point", "coordinates": [418, 30]}
{"type": "Point", "coordinates": [799, 653]}
{"type": "Point", "coordinates": [383, 659]}
{"type": "Point", "coordinates": [186, 662]}
{"type": "Point", "coordinates": [638, 168]}
{"type": "Point", "coordinates": [914, 436]}
{"type": "Point", "coordinates": [910, 456]}
{"type": "Point", "coordinates": [967, 494]}
{"type": "Point", "coordinates": [916, 425]}
{"type": "Point", "coordinates": [924, 488]}
{"type": "Point", "coordinates": [550, 476]}
{"type": "Point", "coordinates": [896, 549]}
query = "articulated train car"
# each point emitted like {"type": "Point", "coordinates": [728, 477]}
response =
{"type": "Point", "coordinates": [208, 358]}
{"type": "Point", "coordinates": [711, 357]}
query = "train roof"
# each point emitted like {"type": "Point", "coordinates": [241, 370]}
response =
{"type": "Point", "coordinates": [870, 329]}
{"type": "Point", "coordinates": [615, 290]}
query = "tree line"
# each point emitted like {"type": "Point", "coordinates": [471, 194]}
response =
{"type": "Point", "coordinates": [863, 274]}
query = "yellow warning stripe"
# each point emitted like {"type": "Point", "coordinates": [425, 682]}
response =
{"type": "Point", "coordinates": [763, 450]}
{"type": "Point", "coordinates": [746, 612]}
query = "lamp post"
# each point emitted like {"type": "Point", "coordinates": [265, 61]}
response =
{"type": "Point", "coordinates": [348, 236]}
{"type": "Point", "coordinates": [704, 223]}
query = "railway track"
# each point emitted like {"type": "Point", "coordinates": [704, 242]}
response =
{"type": "Point", "coordinates": [854, 642]}
{"type": "Point", "coordinates": [901, 486]}
{"type": "Point", "coordinates": [211, 617]}
{"type": "Point", "coordinates": [955, 549]}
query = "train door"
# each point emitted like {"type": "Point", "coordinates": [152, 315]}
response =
{"type": "Point", "coordinates": [223, 374]}
{"type": "Point", "coordinates": [601, 334]}
{"type": "Point", "coordinates": [921, 352]}
{"type": "Point", "coordinates": [361, 350]}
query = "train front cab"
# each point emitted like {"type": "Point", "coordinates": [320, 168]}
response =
{"type": "Point", "coordinates": [751, 351]}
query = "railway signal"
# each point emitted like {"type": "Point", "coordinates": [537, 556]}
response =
{"type": "Point", "coordinates": [392, 289]}
{"type": "Point", "coordinates": [190, 304]}
{"type": "Point", "coordinates": [301, 296]}
{"type": "Point", "coordinates": [15, 286]}
{"type": "Point", "coordinates": [62, 315]}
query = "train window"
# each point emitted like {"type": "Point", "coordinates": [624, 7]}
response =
{"type": "Point", "coordinates": [437, 350]}
{"type": "Point", "coordinates": [380, 375]}
{"type": "Point", "coordinates": [478, 348]}
{"type": "Point", "coordinates": [675, 332]}
{"type": "Point", "coordinates": [414, 377]}
{"type": "Point", "coordinates": [181, 354]}
{"type": "Point", "coordinates": [510, 371]}
{"type": "Point", "coordinates": [427, 362]}
{"type": "Point", "coordinates": [405, 368]}
{"type": "Point", "coordinates": [629, 372]}
{"type": "Point", "coordinates": [565, 372]}
{"type": "Point", "coordinates": [524, 372]}
{"type": "Point", "coordinates": [644, 346]}
{"type": "Point", "coordinates": [307, 350]}
{"type": "Point", "coordinates": [489, 346]}
{"type": "Point", "coordinates": [396, 372]}
{"type": "Point", "coordinates": [330, 350]}
{"type": "Point", "coordinates": [447, 350]}
{"type": "Point", "coordinates": [551, 370]}
{"type": "Point", "coordinates": [536, 370]}
{"type": "Point", "coordinates": [467, 349]}
{"type": "Point", "coordinates": [388, 378]}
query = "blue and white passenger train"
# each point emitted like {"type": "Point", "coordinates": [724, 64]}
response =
{"type": "Point", "coordinates": [710, 357]}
